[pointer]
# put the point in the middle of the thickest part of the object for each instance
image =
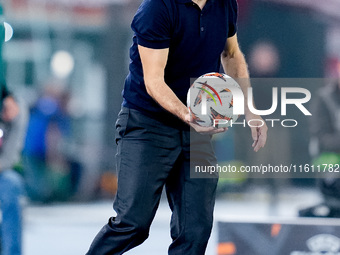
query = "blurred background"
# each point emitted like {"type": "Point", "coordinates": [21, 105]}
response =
{"type": "Point", "coordinates": [69, 59]}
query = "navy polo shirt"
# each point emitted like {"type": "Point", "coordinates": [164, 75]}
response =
{"type": "Point", "coordinates": [195, 38]}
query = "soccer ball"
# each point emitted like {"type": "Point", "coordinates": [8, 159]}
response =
{"type": "Point", "coordinates": [210, 100]}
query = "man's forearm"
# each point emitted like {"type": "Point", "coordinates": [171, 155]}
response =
{"type": "Point", "coordinates": [234, 64]}
{"type": "Point", "coordinates": [154, 62]}
{"type": "Point", "coordinates": [166, 98]}
{"type": "Point", "coordinates": [236, 67]}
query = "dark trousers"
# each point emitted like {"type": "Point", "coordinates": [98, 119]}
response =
{"type": "Point", "coordinates": [150, 155]}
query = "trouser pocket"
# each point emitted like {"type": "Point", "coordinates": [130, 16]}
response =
{"type": "Point", "coordinates": [121, 124]}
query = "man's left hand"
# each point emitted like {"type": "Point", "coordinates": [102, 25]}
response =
{"type": "Point", "coordinates": [258, 131]}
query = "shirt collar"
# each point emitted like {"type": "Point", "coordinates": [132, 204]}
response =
{"type": "Point", "coordinates": [184, 1]}
{"type": "Point", "coordinates": [190, 1]}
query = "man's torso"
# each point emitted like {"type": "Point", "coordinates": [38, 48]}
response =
{"type": "Point", "coordinates": [195, 39]}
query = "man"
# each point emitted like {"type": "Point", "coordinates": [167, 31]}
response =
{"type": "Point", "coordinates": [174, 40]}
{"type": "Point", "coordinates": [7, 103]}
{"type": "Point", "coordinates": [12, 130]}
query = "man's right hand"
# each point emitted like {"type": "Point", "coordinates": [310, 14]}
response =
{"type": "Point", "coordinates": [203, 130]}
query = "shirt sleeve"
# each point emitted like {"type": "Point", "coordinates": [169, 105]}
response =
{"type": "Point", "coordinates": [151, 25]}
{"type": "Point", "coordinates": [233, 13]}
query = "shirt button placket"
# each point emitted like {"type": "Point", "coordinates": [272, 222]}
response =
{"type": "Point", "coordinates": [201, 21]}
